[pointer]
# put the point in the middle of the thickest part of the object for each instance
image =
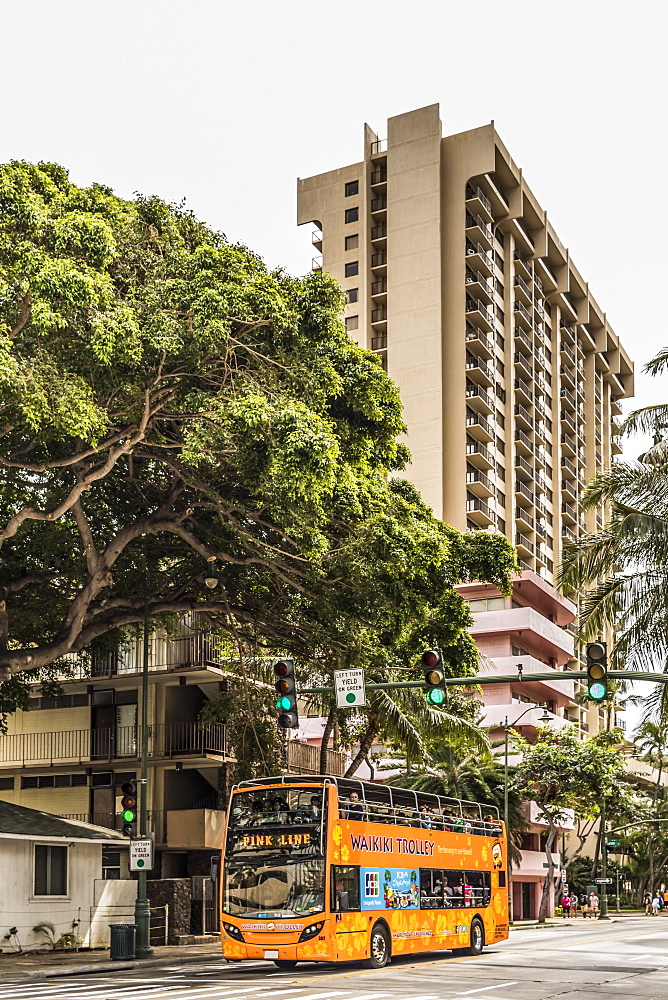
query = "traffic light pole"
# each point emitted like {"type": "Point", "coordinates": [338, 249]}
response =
{"type": "Point", "coordinates": [142, 907]}
{"type": "Point", "coordinates": [603, 915]}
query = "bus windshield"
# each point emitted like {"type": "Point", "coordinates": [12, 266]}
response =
{"type": "Point", "coordinates": [274, 887]}
{"type": "Point", "coordinates": [264, 820]}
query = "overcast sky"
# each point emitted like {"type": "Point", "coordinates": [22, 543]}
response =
{"type": "Point", "coordinates": [226, 104]}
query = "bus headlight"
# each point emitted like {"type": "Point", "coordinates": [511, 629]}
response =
{"type": "Point", "coordinates": [233, 931]}
{"type": "Point", "coordinates": [311, 931]}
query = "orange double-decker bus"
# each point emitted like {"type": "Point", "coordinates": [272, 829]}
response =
{"type": "Point", "coordinates": [328, 869]}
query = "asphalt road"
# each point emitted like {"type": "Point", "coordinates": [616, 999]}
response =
{"type": "Point", "coordinates": [583, 961]}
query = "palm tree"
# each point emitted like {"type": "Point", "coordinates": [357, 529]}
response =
{"type": "Point", "coordinates": [456, 774]}
{"type": "Point", "coordinates": [625, 565]}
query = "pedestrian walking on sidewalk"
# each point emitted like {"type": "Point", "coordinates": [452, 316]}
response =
{"type": "Point", "coordinates": [584, 905]}
{"type": "Point", "coordinates": [565, 906]}
{"type": "Point", "coordinates": [656, 906]}
{"type": "Point", "coordinates": [593, 905]}
{"type": "Point", "coordinates": [574, 906]}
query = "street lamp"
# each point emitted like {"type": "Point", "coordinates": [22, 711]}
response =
{"type": "Point", "coordinates": [545, 717]}
{"type": "Point", "coordinates": [142, 906]}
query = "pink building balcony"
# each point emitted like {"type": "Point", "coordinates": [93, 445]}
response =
{"type": "Point", "coordinates": [545, 637]}
{"type": "Point", "coordinates": [494, 717]}
{"type": "Point", "coordinates": [560, 690]}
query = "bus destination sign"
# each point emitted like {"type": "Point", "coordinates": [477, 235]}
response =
{"type": "Point", "coordinates": [275, 839]}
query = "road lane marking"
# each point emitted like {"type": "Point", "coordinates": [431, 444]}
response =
{"type": "Point", "coordinates": [484, 989]}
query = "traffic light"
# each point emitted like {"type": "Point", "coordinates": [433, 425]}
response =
{"type": "Point", "coordinates": [286, 692]}
{"type": "Point", "coordinates": [432, 661]}
{"type": "Point", "coordinates": [597, 670]}
{"type": "Point", "coordinates": [129, 809]}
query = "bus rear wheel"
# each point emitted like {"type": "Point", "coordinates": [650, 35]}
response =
{"type": "Point", "coordinates": [379, 948]}
{"type": "Point", "coordinates": [285, 963]}
{"type": "Point", "coordinates": [477, 938]}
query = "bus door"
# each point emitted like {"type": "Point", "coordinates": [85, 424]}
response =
{"type": "Point", "coordinates": [349, 921]}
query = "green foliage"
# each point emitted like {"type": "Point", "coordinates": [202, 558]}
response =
{"type": "Point", "coordinates": [623, 566]}
{"type": "Point", "coordinates": [248, 711]}
{"type": "Point", "coordinates": [166, 401]}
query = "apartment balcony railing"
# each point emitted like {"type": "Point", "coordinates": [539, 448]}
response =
{"type": "Point", "coordinates": [521, 388]}
{"type": "Point", "coordinates": [479, 510]}
{"type": "Point", "coordinates": [316, 238]}
{"type": "Point", "coordinates": [568, 398]}
{"type": "Point", "coordinates": [567, 352]}
{"type": "Point", "coordinates": [568, 330]}
{"type": "Point", "coordinates": [477, 478]}
{"type": "Point", "coordinates": [477, 424]}
{"type": "Point", "coordinates": [519, 259]}
{"type": "Point", "coordinates": [479, 307]}
{"type": "Point", "coordinates": [476, 192]}
{"type": "Point", "coordinates": [524, 517]}
{"type": "Point", "coordinates": [567, 420]}
{"type": "Point", "coordinates": [379, 259]}
{"type": "Point", "coordinates": [521, 336]}
{"type": "Point", "coordinates": [521, 361]}
{"type": "Point", "coordinates": [567, 376]}
{"type": "Point", "coordinates": [316, 264]}
{"type": "Point", "coordinates": [524, 543]}
{"type": "Point", "coordinates": [379, 204]}
{"type": "Point", "coordinates": [523, 441]}
{"type": "Point", "coordinates": [199, 649]}
{"type": "Point", "coordinates": [379, 146]}
{"type": "Point", "coordinates": [477, 339]}
{"type": "Point", "coordinates": [379, 343]}
{"type": "Point", "coordinates": [523, 491]}
{"type": "Point", "coordinates": [522, 414]}
{"type": "Point", "coordinates": [476, 278]}
{"type": "Point", "coordinates": [475, 394]}
{"type": "Point", "coordinates": [522, 465]}
{"type": "Point", "coordinates": [520, 283]}
{"type": "Point", "coordinates": [569, 513]}
{"type": "Point", "coordinates": [78, 746]}
{"type": "Point", "coordinates": [522, 310]}
{"type": "Point", "coordinates": [379, 315]}
{"type": "Point", "coordinates": [525, 231]}
{"type": "Point", "coordinates": [568, 466]}
{"type": "Point", "coordinates": [485, 258]}
{"type": "Point", "coordinates": [478, 454]}
{"type": "Point", "coordinates": [477, 222]}
{"type": "Point", "coordinates": [378, 176]}
{"type": "Point", "coordinates": [475, 365]}
{"type": "Point", "coordinates": [379, 232]}
{"type": "Point", "coordinates": [379, 287]}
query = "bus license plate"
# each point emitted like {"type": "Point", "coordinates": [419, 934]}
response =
{"type": "Point", "coordinates": [271, 954]}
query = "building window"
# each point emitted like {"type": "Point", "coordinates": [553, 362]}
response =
{"type": "Point", "coordinates": [50, 870]}
{"type": "Point", "coordinates": [352, 268]}
{"type": "Point", "coordinates": [111, 864]}
{"type": "Point", "coordinates": [6, 784]}
{"type": "Point", "coordinates": [352, 214]}
{"type": "Point", "coordinates": [352, 295]}
{"type": "Point", "coordinates": [352, 187]}
{"type": "Point", "coordinates": [352, 323]}
{"type": "Point", "coordinates": [352, 242]}
{"type": "Point", "coordinates": [54, 780]}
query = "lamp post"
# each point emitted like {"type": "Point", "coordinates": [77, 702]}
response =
{"type": "Point", "coordinates": [142, 906]}
{"type": "Point", "coordinates": [545, 717]}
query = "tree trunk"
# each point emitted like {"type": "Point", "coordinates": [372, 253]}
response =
{"type": "Point", "coordinates": [366, 742]}
{"type": "Point", "coordinates": [324, 742]}
{"type": "Point", "coordinates": [549, 874]}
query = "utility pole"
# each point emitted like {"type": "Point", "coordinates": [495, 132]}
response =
{"type": "Point", "coordinates": [142, 906]}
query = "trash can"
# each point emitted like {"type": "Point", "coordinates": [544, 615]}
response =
{"type": "Point", "coordinates": [122, 941]}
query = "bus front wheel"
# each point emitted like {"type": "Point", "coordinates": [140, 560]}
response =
{"type": "Point", "coordinates": [379, 948]}
{"type": "Point", "coordinates": [477, 938]}
{"type": "Point", "coordinates": [285, 963]}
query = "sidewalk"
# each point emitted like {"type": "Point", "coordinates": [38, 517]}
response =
{"type": "Point", "coordinates": [49, 964]}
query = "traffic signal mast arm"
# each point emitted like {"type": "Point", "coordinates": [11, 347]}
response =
{"type": "Point", "coordinates": [566, 675]}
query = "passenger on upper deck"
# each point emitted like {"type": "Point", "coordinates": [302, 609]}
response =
{"type": "Point", "coordinates": [354, 809]}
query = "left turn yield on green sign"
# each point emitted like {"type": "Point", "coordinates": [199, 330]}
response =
{"type": "Point", "coordinates": [349, 687]}
{"type": "Point", "coordinates": [141, 854]}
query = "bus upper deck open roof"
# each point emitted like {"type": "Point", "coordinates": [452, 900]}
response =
{"type": "Point", "coordinates": [373, 792]}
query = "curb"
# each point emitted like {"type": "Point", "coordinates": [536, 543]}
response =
{"type": "Point", "coordinates": [110, 966]}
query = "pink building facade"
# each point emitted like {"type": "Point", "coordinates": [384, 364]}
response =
{"type": "Point", "coordinates": [527, 630]}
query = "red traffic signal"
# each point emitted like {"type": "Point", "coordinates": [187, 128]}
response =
{"type": "Point", "coordinates": [431, 658]}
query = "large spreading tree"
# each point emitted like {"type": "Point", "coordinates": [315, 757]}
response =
{"type": "Point", "coordinates": [166, 402]}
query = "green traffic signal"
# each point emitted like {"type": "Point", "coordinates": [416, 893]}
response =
{"type": "Point", "coordinates": [436, 696]}
{"type": "Point", "coordinates": [597, 670]}
{"type": "Point", "coordinates": [284, 703]}
{"type": "Point", "coordinates": [128, 816]}
{"type": "Point", "coordinates": [597, 691]}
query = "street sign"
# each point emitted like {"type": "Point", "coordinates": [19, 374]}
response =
{"type": "Point", "coordinates": [563, 875]}
{"type": "Point", "coordinates": [349, 687]}
{"type": "Point", "coordinates": [141, 854]}
{"type": "Point", "coordinates": [603, 881]}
